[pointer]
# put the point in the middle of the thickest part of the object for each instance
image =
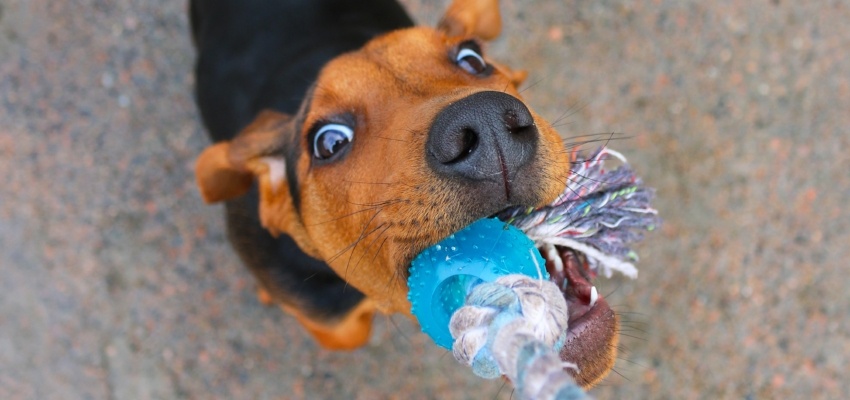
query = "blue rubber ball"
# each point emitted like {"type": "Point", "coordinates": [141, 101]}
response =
{"type": "Point", "coordinates": [443, 274]}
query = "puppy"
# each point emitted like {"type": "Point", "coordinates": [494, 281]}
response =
{"type": "Point", "coordinates": [347, 141]}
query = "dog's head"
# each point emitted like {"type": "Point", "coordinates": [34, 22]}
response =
{"type": "Point", "coordinates": [396, 146]}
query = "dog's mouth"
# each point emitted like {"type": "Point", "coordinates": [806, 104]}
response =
{"type": "Point", "coordinates": [592, 334]}
{"type": "Point", "coordinates": [591, 337]}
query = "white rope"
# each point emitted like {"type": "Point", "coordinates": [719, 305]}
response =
{"type": "Point", "coordinates": [607, 263]}
{"type": "Point", "coordinates": [516, 327]}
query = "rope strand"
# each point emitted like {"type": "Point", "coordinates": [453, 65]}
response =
{"type": "Point", "coordinates": [515, 327]}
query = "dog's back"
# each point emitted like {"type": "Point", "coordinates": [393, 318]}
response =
{"type": "Point", "coordinates": [264, 54]}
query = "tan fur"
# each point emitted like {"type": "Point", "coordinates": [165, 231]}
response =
{"type": "Point", "coordinates": [369, 214]}
{"type": "Point", "coordinates": [264, 297]}
{"type": "Point", "coordinates": [347, 334]}
{"type": "Point", "coordinates": [217, 178]}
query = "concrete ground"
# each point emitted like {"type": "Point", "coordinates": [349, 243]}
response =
{"type": "Point", "coordinates": [116, 282]}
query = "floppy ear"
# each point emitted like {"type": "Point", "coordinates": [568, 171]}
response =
{"type": "Point", "coordinates": [227, 170]}
{"type": "Point", "coordinates": [478, 18]}
{"type": "Point", "coordinates": [217, 178]}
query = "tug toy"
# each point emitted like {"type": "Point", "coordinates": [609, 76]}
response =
{"type": "Point", "coordinates": [485, 293]}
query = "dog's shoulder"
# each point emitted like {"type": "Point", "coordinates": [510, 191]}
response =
{"type": "Point", "coordinates": [288, 274]}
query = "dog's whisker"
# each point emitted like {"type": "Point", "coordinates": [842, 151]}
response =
{"type": "Point", "coordinates": [563, 124]}
{"type": "Point", "coordinates": [620, 285]}
{"type": "Point", "coordinates": [630, 329]}
{"type": "Point", "coordinates": [633, 337]}
{"type": "Point", "coordinates": [369, 246]}
{"type": "Point", "coordinates": [347, 248]}
{"type": "Point", "coordinates": [628, 312]}
{"type": "Point", "coordinates": [345, 216]}
{"type": "Point", "coordinates": [621, 348]}
{"type": "Point", "coordinates": [379, 183]}
{"type": "Point", "coordinates": [360, 238]}
{"type": "Point", "coordinates": [569, 112]}
{"type": "Point", "coordinates": [572, 146]}
{"type": "Point", "coordinates": [632, 362]}
{"type": "Point", "coordinates": [378, 251]}
{"type": "Point", "coordinates": [626, 318]}
{"type": "Point", "coordinates": [582, 178]}
{"type": "Point", "coordinates": [505, 382]}
{"type": "Point", "coordinates": [395, 277]}
{"type": "Point", "coordinates": [413, 132]}
{"type": "Point", "coordinates": [398, 328]}
{"type": "Point", "coordinates": [631, 324]}
{"type": "Point", "coordinates": [605, 134]}
{"type": "Point", "coordinates": [614, 370]}
{"type": "Point", "coordinates": [393, 139]}
{"type": "Point", "coordinates": [607, 138]}
{"type": "Point", "coordinates": [378, 204]}
{"type": "Point", "coordinates": [533, 84]}
{"type": "Point", "coordinates": [569, 178]}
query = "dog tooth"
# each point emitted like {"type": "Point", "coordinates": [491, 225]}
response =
{"type": "Point", "coordinates": [552, 254]}
{"type": "Point", "coordinates": [594, 296]}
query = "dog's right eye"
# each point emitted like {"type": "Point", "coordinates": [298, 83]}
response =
{"type": "Point", "coordinates": [469, 58]}
{"type": "Point", "coordinates": [331, 139]}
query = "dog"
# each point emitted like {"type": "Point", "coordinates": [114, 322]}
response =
{"type": "Point", "coordinates": [346, 141]}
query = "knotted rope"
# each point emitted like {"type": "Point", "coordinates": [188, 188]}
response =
{"type": "Point", "coordinates": [516, 327]}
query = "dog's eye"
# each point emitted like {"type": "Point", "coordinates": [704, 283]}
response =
{"type": "Point", "coordinates": [469, 58]}
{"type": "Point", "coordinates": [330, 139]}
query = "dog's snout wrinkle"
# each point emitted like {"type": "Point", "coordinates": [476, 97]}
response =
{"type": "Point", "coordinates": [505, 176]}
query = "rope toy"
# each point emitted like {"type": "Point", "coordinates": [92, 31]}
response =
{"type": "Point", "coordinates": [484, 291]}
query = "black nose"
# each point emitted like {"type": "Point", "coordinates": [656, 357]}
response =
{"type": "Point", "coordinates": [484, 137]}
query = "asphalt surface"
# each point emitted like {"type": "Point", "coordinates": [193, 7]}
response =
{"type": "Point", "coordinates": [116, 282]}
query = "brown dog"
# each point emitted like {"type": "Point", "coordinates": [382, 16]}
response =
{"type": "Point", "coordinates": [396, 145]}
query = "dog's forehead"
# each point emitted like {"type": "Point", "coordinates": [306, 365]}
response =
{"type": "Point", "coordinates": [403, 48]}
{"type": "Point", "coordinates": [406, 63]}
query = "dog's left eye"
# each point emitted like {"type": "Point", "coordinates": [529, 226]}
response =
{"type": "Point", "coordinates": [330, 139]}
{"type": "Point", "coordinates": [469, 58]}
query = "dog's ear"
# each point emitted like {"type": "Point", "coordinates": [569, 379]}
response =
{"type": "Point", "coordinates": [217, 178]}
{"type": "Point", "coordinates": [227, 170]}
{"type": "Point", "coordinates": [477, 18]}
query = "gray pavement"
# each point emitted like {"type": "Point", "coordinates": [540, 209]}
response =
{"type": "Point", "coordinates": [116, 282]}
